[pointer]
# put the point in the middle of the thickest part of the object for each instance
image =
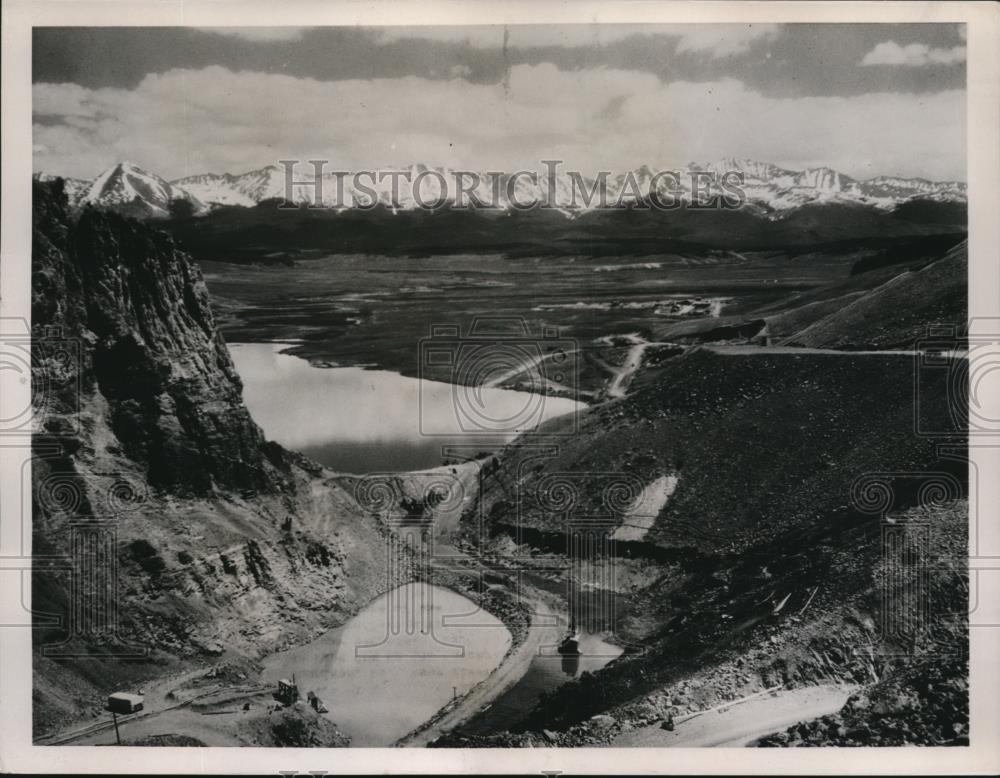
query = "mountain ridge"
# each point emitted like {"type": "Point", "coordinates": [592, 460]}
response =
{"type": "Point", "coordinates": [769, 188]}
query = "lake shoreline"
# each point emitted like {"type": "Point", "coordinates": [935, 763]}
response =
{"type": "Point", "coordinates": [314, 356]}
{"type": "Point", "coordinates": [386, 651]}
{"type": "Point", "coordinates": [518, 614]}
{"type": "Point", "coordinates": [385, 422]}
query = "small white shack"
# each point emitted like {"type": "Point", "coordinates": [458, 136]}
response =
{"type": "Point", "coordinates": [124, 703]}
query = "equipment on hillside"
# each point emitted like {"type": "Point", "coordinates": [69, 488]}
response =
{"type": "Point", "coordinates": [570, 645]}
{"type": "Point", "coordinates": [287, 692]}
{"type": "Point", "coordinates": [316, 702]}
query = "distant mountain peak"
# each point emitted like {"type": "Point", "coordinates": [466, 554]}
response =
{"type": "Point", "coordinates": [769, 188]}
{"type": "Point", "coordinates": [132, 190]}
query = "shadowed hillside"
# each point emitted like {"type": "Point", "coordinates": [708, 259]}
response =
{"type": "Point", "coordinates": [198, 537]}
{"type": "Point", "coordinates": [269, 233]}
{"type": "Point", "coordinates": [899, 312]}
{"type": "Point", "coordinates": [766, 565]}
{"type": "Point", "coordinates": [893, 298]}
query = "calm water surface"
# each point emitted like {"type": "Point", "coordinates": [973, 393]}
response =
{"type": "Point", "coordinates": [403, 657]}
{"type": "Point", "coordinates": [358, 421]}
{"type": "Point", "coordinates": [549, 670]}
{"type": "Point", "coordinates": [397, 662]}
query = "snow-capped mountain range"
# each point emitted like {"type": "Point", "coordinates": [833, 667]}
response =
{"type": "Point", "coordinates": [129, 189]}
{"type": "Point", "coordinates": [769, 189]}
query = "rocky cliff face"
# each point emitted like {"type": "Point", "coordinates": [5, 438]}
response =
{"type": "Point", "coordinates": [137, 308]}
{"type": "Point", "coordinates": [177, 533]}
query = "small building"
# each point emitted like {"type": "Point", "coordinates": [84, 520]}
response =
{"type": "Point", "coordinates": [287, 692]}
{"type": "Point", "coordinates": [122, 702]}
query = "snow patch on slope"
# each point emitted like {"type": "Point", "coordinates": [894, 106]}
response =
{"type": "Point", "coordinates": [641, 514]}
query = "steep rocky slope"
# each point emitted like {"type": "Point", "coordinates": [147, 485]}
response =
{"type": "Point", "coordinates": [768, 563]}
{"type": "Point", "coordinates": [137, 309]}
{"type": "Point", "coordinates": [176, 532]}
{"type": "Point", "coordinates": [760, 444]}
{"type": "Point", "coordinates": [725, 642]}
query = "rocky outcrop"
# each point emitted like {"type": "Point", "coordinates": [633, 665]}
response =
{"type": "Point", "coordinates": [177, 534]}
{"type": "Point", "coordinates": [136, 310]}
{"type": "Point", "coordinates": [927, 704]}
{"type": "Point", "coordinates": [297, 726]}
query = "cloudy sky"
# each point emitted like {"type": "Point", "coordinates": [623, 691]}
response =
{"type": "Point", "coordinates": [864, 99]}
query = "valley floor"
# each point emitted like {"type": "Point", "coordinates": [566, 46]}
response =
{"type": "Point", "coordinates": [751, 592]}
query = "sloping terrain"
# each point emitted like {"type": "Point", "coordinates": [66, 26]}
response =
{"type": "Point", "coordinates": [899, 312]}
{"type": "Point", "coordinates": [760, 443]}
{"type": "Point", "coordinates": [926, 703]}
{"type": "Point", "coordinates": [775, 560]}
{"type": "Point", "coordinates": [893, 298]}
{"type": "Point", "coordinates": [727, 641]}
{"type": "Point", "coordinates": [773, 557]}
{"type": "Point", "coordinates": [194, 536]}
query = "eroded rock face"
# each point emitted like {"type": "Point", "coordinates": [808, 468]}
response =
{"type": "Point", "coordinates": [151, 482]}
{"type": "Point", "coordinates": [136, 308]}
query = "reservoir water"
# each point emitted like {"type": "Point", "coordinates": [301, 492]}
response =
{"type": "Point", "coordinates": [402, 658]}
{"type": "Point", "coordinates": [549, 670]}
{"type": "Point", "coordinates": [359, 421]}
{"type": "Point", "coordinates": [397, 662]}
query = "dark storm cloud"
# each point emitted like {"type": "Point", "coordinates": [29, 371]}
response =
{"type": "Point", "coordinates": [864, 99]}
{"type": "Point", "coordinates": [799, 60]}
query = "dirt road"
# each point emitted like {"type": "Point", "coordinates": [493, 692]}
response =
{"type": "Point", "coordinates": [212, 730]}
{"type": "Point", "coordinates": [633, 361]}
{"type": "Point", "coordinates": [744, 350]}
{"type": "Point", "coordinates": [544, 631]}
{"type": "Point", "coordinates": [742, 723]}
{"type": "Point", "coordinates": [156, 701]}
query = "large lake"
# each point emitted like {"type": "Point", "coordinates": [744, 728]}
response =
{"type": "Point", "coordinates": [359, 421]}
{"type": "Point", "coordinates": [397, 662]}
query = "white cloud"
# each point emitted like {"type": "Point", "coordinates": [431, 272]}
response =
{"type": "Point", "coordinates": [257, 34]}
{"type": "Point", "coordinates": [913, 55]}
{"type": "Point", "coordinates": [190, 121]}
{"type": "Point", "coordinates": [718, 40]}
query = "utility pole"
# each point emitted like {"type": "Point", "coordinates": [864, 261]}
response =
{"type": "Point", "coordinates": [120, 702]}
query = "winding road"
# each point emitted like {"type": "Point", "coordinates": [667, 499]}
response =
{"type": "Point", "coordinates": [633, 361]}
{"type": "Point", "coordinates": [742, 722]}
{"type": "Point", "coordinates": [543, 631]}
{"type": "Point", "coordinates": [744, 350]}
